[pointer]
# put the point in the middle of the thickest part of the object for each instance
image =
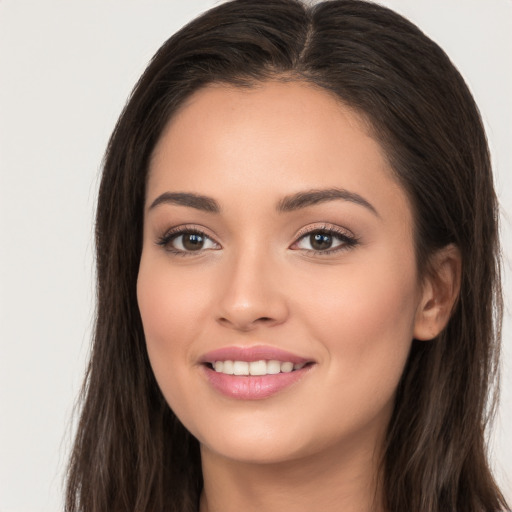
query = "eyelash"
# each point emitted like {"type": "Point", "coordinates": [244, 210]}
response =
{"type": "Point", "coordinates": [166, 239]}
{"type": "Point", "coordinates": [348, 240]}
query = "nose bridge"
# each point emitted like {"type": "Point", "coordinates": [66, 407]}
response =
{"type": "Point", "coordinates": [251, 292]}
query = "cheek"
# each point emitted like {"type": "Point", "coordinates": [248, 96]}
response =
{"type": "Point", "coordinates": [172, 315]}
{"type": "Point", "coordinates": [364, 316]}
{"type": "Point", "coordinates": [170, 305]}
{"type": "Point", "coordinates": [365, 323]}
{"type": "Point", "coordinates": [170, 309]}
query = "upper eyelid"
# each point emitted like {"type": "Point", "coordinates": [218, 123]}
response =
{"type": "Point", "coordinates": [323, 226]}
{"type": "Point", "coordinates": [347, 237]}
{"type": "Point", "coordinates": [303, 232]}
{"type": "Point", "coordinates": [167, 239]}
{"type": "Point", "coordinates": [187, 228]}
{"type": "Point", "coordinates": [172, 233]}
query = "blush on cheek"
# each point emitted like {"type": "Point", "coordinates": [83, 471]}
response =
{"type": "Point", "coordinates": [152, 307]}
{"type": "Point", "coordinates": [367, 320]}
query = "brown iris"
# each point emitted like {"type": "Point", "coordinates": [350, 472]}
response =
{"type": "Point", "coordinates": [320, 241]}
{"type": "Point", "coordinates": [193, 241]}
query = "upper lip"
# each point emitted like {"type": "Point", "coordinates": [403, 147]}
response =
{"type": "Point", "coordinates": [254, 353]}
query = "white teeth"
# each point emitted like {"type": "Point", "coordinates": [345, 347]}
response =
{"type": "Point", "coordinates": [286, 367]}
{"type": "Point", "coordinates": [240, 367]}
{"type": "Point", "coordinates": [258, 368]}
{"type": "Point", "coordinates": [273, 367]}
{"type": "Point", "coordinates": [261, 367]}
{"type": "Point", "coordinates": [227, 368]}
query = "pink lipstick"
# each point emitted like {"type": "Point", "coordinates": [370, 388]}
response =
{"type": "Point", "coordinates": [253, 373]}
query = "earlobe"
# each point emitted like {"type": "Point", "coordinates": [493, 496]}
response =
{"type": "Point", "coordinates": [440, 292]}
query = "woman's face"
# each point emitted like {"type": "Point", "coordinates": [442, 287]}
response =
{"type": "Point", "coordinates": [276, 239]}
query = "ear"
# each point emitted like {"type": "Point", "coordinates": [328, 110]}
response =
{"type": "Point", "coordinates": [440, 291]}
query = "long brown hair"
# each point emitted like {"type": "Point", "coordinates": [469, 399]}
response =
{"type": "Point", "coordinates": [131, 453]}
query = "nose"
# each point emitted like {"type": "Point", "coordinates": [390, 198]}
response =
{"type": "Point", "coordinates": [252, 293]}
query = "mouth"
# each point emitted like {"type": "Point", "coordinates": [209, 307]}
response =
{"type": "Point", "coordinates": [255, 368]}
{"type": "Point", "coordinates": [253, 373]}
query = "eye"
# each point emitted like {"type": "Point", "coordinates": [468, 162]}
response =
{"type": "Point", "coordinates": [186, 241]}
{"type": "Point", "coordinates": [325, 240]}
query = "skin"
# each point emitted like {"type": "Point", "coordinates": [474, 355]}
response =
{"type": "Point", "coordinates": [256, 281]}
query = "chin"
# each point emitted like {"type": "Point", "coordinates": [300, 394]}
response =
{"type": "Point", "coordinates": [255, 451]}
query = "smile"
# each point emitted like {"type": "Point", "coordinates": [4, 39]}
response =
{"type": "Point", "coordinates": [261, 367]}
{"type": "Point", "coordinates": [253, 373]}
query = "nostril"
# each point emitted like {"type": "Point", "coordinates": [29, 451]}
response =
{"type": "Point", "coordinates": [244, 324]}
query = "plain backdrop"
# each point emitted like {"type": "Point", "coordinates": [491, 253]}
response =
{"type": "Point", "coordinates": [66, 69]}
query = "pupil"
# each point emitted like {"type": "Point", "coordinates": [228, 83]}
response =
{"type": "Point", "coordinates": [193, 242]}
{"type": "Point", "coordinates": [321, 241]}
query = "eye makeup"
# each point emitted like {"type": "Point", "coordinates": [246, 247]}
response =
{"type": "Point", "coordinates": [324, 239]}
{"type": "Point", "coordinates": [319, 239]}
{"type": "Point", "coordinates": [188, 240]}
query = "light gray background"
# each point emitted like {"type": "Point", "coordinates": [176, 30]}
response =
{"type": "Point", "coordinates": [66, 68]}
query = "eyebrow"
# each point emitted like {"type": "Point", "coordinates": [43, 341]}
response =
{"type": "Point", "coordinates": [287, 204]}
{"type": "Point", "coordinates": [316, 196]}
{"type": "Point", "coordinates": [199, 202]}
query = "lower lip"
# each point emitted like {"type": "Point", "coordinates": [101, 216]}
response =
{"type": "Point", "coordinates": [248, 387]}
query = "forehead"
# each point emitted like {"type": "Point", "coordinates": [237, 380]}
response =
{"type": "Point", "coordinates": [279, 137]}
{"type": "Point", "coordinates": [297, 114]}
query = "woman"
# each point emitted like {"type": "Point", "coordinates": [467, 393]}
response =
{"type": "Point", "coordinates": [299, 300]}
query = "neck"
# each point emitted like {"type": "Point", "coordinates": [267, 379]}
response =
{"type": "Point", "coordinates": [339, 479]}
